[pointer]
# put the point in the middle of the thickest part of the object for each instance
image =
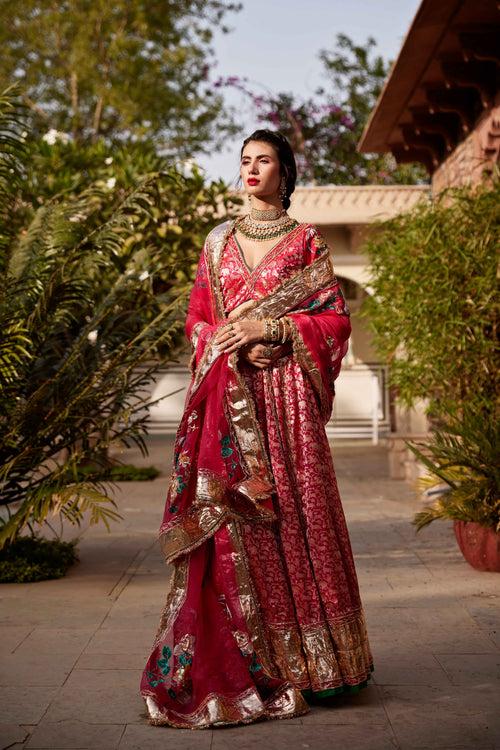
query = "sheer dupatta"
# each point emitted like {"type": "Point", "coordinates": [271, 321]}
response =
{"type": "Point", "coordinates": [221, 470]}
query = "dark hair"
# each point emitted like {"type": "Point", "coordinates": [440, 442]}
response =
{"type": "Point", "coordinates": [288, 167]}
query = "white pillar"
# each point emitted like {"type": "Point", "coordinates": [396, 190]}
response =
{"type": "Point", "coordinates": [375, 407]}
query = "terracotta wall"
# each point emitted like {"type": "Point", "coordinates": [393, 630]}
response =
{"type": "Point", "coordinates": [473, 157]}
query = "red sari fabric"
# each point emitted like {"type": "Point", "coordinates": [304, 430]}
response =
{"type": "Point", "coordinates": [263, 603]}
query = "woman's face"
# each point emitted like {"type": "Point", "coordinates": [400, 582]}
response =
{"type": "Point", "coordinates": [260, 169]}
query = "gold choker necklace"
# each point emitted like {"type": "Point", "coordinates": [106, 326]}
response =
{"type": "Point", "coordinates": [266, 214]}
{"type": "Point", "coordinates": [268, 229]}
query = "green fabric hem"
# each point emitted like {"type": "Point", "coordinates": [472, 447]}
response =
{"type": "Point", "coordinates": [343, 689]}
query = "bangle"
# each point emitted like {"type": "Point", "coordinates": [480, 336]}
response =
{"type": "Point", "coordinates": [285, 330]}
{"type": "Point", "coordinates": [275, 330]}
{"type": "Point", "coordinates": [267, 329]}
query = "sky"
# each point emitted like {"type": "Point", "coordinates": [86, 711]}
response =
{"type": "Point", "coordinates": [275, 44]}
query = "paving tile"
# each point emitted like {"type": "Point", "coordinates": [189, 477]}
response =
{"type": "Point", "coordinates": [76, 735]}
{"type": "Point", "coordinates": [118, 641]}
{"type": "Point", "coordinates": [147, 737]}
{"type": "Point", "coordinates": [475, 669]}
{"type": "Point", "coordinates": [485, 611]}
{"type": "Point", "coordinates": [12, 637]}
{"type": "Point", "coordinates": [11, 734]}
{"type": "Point", "coordinates": [434, 626]}
{"type": "Point", "coordinates": [55, 610]}
{"type": "Point", "coordinates": [99, 697]}
{"type": "Point", "coordinates": [467, 642]}
{"type": "Point", "coordinates": [109, 661]}
{"type": "Point", "coordinates": [56, 640]}
{"type": "Point", "coordinates": [21, 704]}
{"type": "Point", "coordinates": [282, 735]}
{"type": "Point", "coordinates": [405, 671]}
{"type": "Point", "coordinates": [353, 709]}
{"type": "Point", "coordinates": [32, 669]}
{"type": "Point", "coordinates": [432, 718]}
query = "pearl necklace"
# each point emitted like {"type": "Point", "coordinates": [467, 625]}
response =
{"type": "Point", "coordinates": [255, 227]}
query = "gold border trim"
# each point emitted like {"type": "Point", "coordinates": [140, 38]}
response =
{"type": "Point", "coordinates": [217, 710]}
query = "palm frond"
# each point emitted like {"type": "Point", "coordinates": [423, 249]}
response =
{"type": "Point", "coordinates": [13, 155]}
{"type": "Point", "coordinates": [464, 454]}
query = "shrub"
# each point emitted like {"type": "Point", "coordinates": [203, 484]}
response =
{"type": "Point", "coordinates": [29, 559]}
{"type": "Point", "coordinates": [97, 278]}
{"type": "Point", "coordinates": [434, 307]}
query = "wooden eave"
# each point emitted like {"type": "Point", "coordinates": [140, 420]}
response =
{"type": "Point", "coordinates": [445, 76]}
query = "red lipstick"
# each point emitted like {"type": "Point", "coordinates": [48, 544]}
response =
{"type": "Point", "coordinates": [253, 181]}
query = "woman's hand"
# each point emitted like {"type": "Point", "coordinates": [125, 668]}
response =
{"type": "Point", "coordinates": [257, 354]}
{"type": "Point", "coordinates": [236, 334]}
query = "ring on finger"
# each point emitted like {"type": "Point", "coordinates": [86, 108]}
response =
{"type": "Point", "coordinates": [267, 351]}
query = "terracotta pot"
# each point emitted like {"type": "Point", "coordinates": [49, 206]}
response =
{"type": "Point", "coordinates": [479, 545]}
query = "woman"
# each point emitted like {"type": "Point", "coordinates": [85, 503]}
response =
{"type": "Point", "coordinates": [263, 609]}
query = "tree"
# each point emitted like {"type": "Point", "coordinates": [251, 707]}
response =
{"type": "Point", "coordinates": [325, 129]}
{"type": "Point", "coordinates": [123, 70]}
{"type": "Point", "coordinates": [96, 268]}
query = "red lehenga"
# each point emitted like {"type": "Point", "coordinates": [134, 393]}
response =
{"type": "Point", "coordinates": [263, 606]}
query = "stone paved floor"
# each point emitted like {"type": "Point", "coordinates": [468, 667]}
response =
{"type": "Point", "coordinates": [72, 650]}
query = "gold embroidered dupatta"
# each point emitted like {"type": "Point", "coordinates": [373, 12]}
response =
{"type": "Point", "coordinates": [221, 469]}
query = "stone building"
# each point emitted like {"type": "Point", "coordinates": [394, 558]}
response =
{"type": "Point", "coordinates": [362, 407]}
{"type": "Point", "coordinates": [440, 106]}
{"type": "Point", "coordinates": [441, 103]}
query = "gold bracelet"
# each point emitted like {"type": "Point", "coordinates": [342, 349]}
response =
{"type": "Point", "coordinates": [285, 330]}
{"type": "Point", "coordinates": [275, 332]}
{"type": "Point", "coordinates": [267, 333]}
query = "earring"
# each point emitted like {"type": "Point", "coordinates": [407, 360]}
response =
{"type": "Point", "coordinates": [282, 190]}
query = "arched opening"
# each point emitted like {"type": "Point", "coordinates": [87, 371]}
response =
{"type": "Point", "coordinates": [361, 406]}
{"type": "Point", "coordinates": [361, 349]}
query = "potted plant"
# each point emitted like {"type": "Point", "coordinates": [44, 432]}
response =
{"type": "Point", "coordinates": [462, 458]}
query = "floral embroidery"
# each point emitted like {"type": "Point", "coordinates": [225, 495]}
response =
{"type": "Point", "coordinates": [314, 303]}
{"type": "Point", "coordinates": [179, 484]}
{"type": "Point", "coordinates": [247, 650]}
{"type": "Point", "coordinates": [154, 679]}
{"type": "Point", "coordinates": [226, 449]}
{"type": "Point", "coordinates": [182, 463]}
{"type": "Point", "coordinates": [183, 459]}
{"type": "Point", "coordinates": [163, 663]}
{"type": "Point", "coordinates": [184, 650]}
{"type": "Point", "coordinates": [181, 686]}
{"type": "Point", "coordinates": [192, 425]}
{"type": "Point", "coordinates": [319, 242]}
{"type": "Point", "coordinates": [227, 453]}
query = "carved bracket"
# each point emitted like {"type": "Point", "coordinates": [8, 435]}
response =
{"type": "Point", "coordinates": [464, 101]}
{"type": "Point", "coordinates": [446, 124]}
{"type": "Point", "coordinates": [480, 44]}
{"type": "Point", "coordinates": [405, 154]}
{"type": "Point", "coordinates": [480, 75]}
